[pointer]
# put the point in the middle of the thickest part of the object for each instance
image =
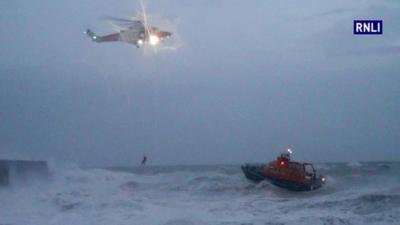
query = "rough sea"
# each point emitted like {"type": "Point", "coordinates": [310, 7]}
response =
{"type": "Point", "coordinates": [355, 193]}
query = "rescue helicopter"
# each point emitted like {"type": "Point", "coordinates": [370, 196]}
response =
{"type": "Point", "coordinates": [135, 30]}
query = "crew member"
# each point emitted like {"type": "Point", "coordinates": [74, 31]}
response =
{"type": "Point", "coordinates": [144, 160]}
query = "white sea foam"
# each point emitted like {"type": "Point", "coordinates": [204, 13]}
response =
{"type": "Point", "coordinates": [354, 164]}
{"type": "Point", "coordinates": [190, 197]}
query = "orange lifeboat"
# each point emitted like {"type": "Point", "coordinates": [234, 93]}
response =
{"type": "Point", "coordinates": [285, 173]}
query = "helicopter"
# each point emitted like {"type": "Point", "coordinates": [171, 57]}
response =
{"type": "Point", "coordinates": [135, 30]}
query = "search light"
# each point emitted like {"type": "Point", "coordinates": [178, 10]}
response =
{"type": "Point", "coordinates": [153, 39]}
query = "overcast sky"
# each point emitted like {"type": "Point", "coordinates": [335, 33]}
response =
{"type": "Point", "coordinates": [248, 79]}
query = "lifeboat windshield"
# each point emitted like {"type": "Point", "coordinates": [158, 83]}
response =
{"type": "Point", "coordinates": [309, 169]}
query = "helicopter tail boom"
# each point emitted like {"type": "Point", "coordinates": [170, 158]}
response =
{"type": "Point", "coordinates": [92, 35]}
{"type": "Point", "coordinates": [106, 38]}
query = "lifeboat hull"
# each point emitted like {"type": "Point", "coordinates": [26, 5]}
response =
{"type": "Point", "coordinates": [254, 172]}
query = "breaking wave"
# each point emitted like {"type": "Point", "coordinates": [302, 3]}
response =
{"type": "Point", "coordinates": [368, 193]}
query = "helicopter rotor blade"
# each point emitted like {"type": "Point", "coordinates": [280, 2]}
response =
{"type": "Point", "coordinates": [122, 20]}
{"type": "Point", "coordinates": [143, 14]}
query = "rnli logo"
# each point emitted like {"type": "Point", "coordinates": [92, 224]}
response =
{"type": "Point", "coordinates": [368, 27]}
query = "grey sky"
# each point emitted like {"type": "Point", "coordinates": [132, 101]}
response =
{"type": "Point", "coordinates": [249, 79]}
